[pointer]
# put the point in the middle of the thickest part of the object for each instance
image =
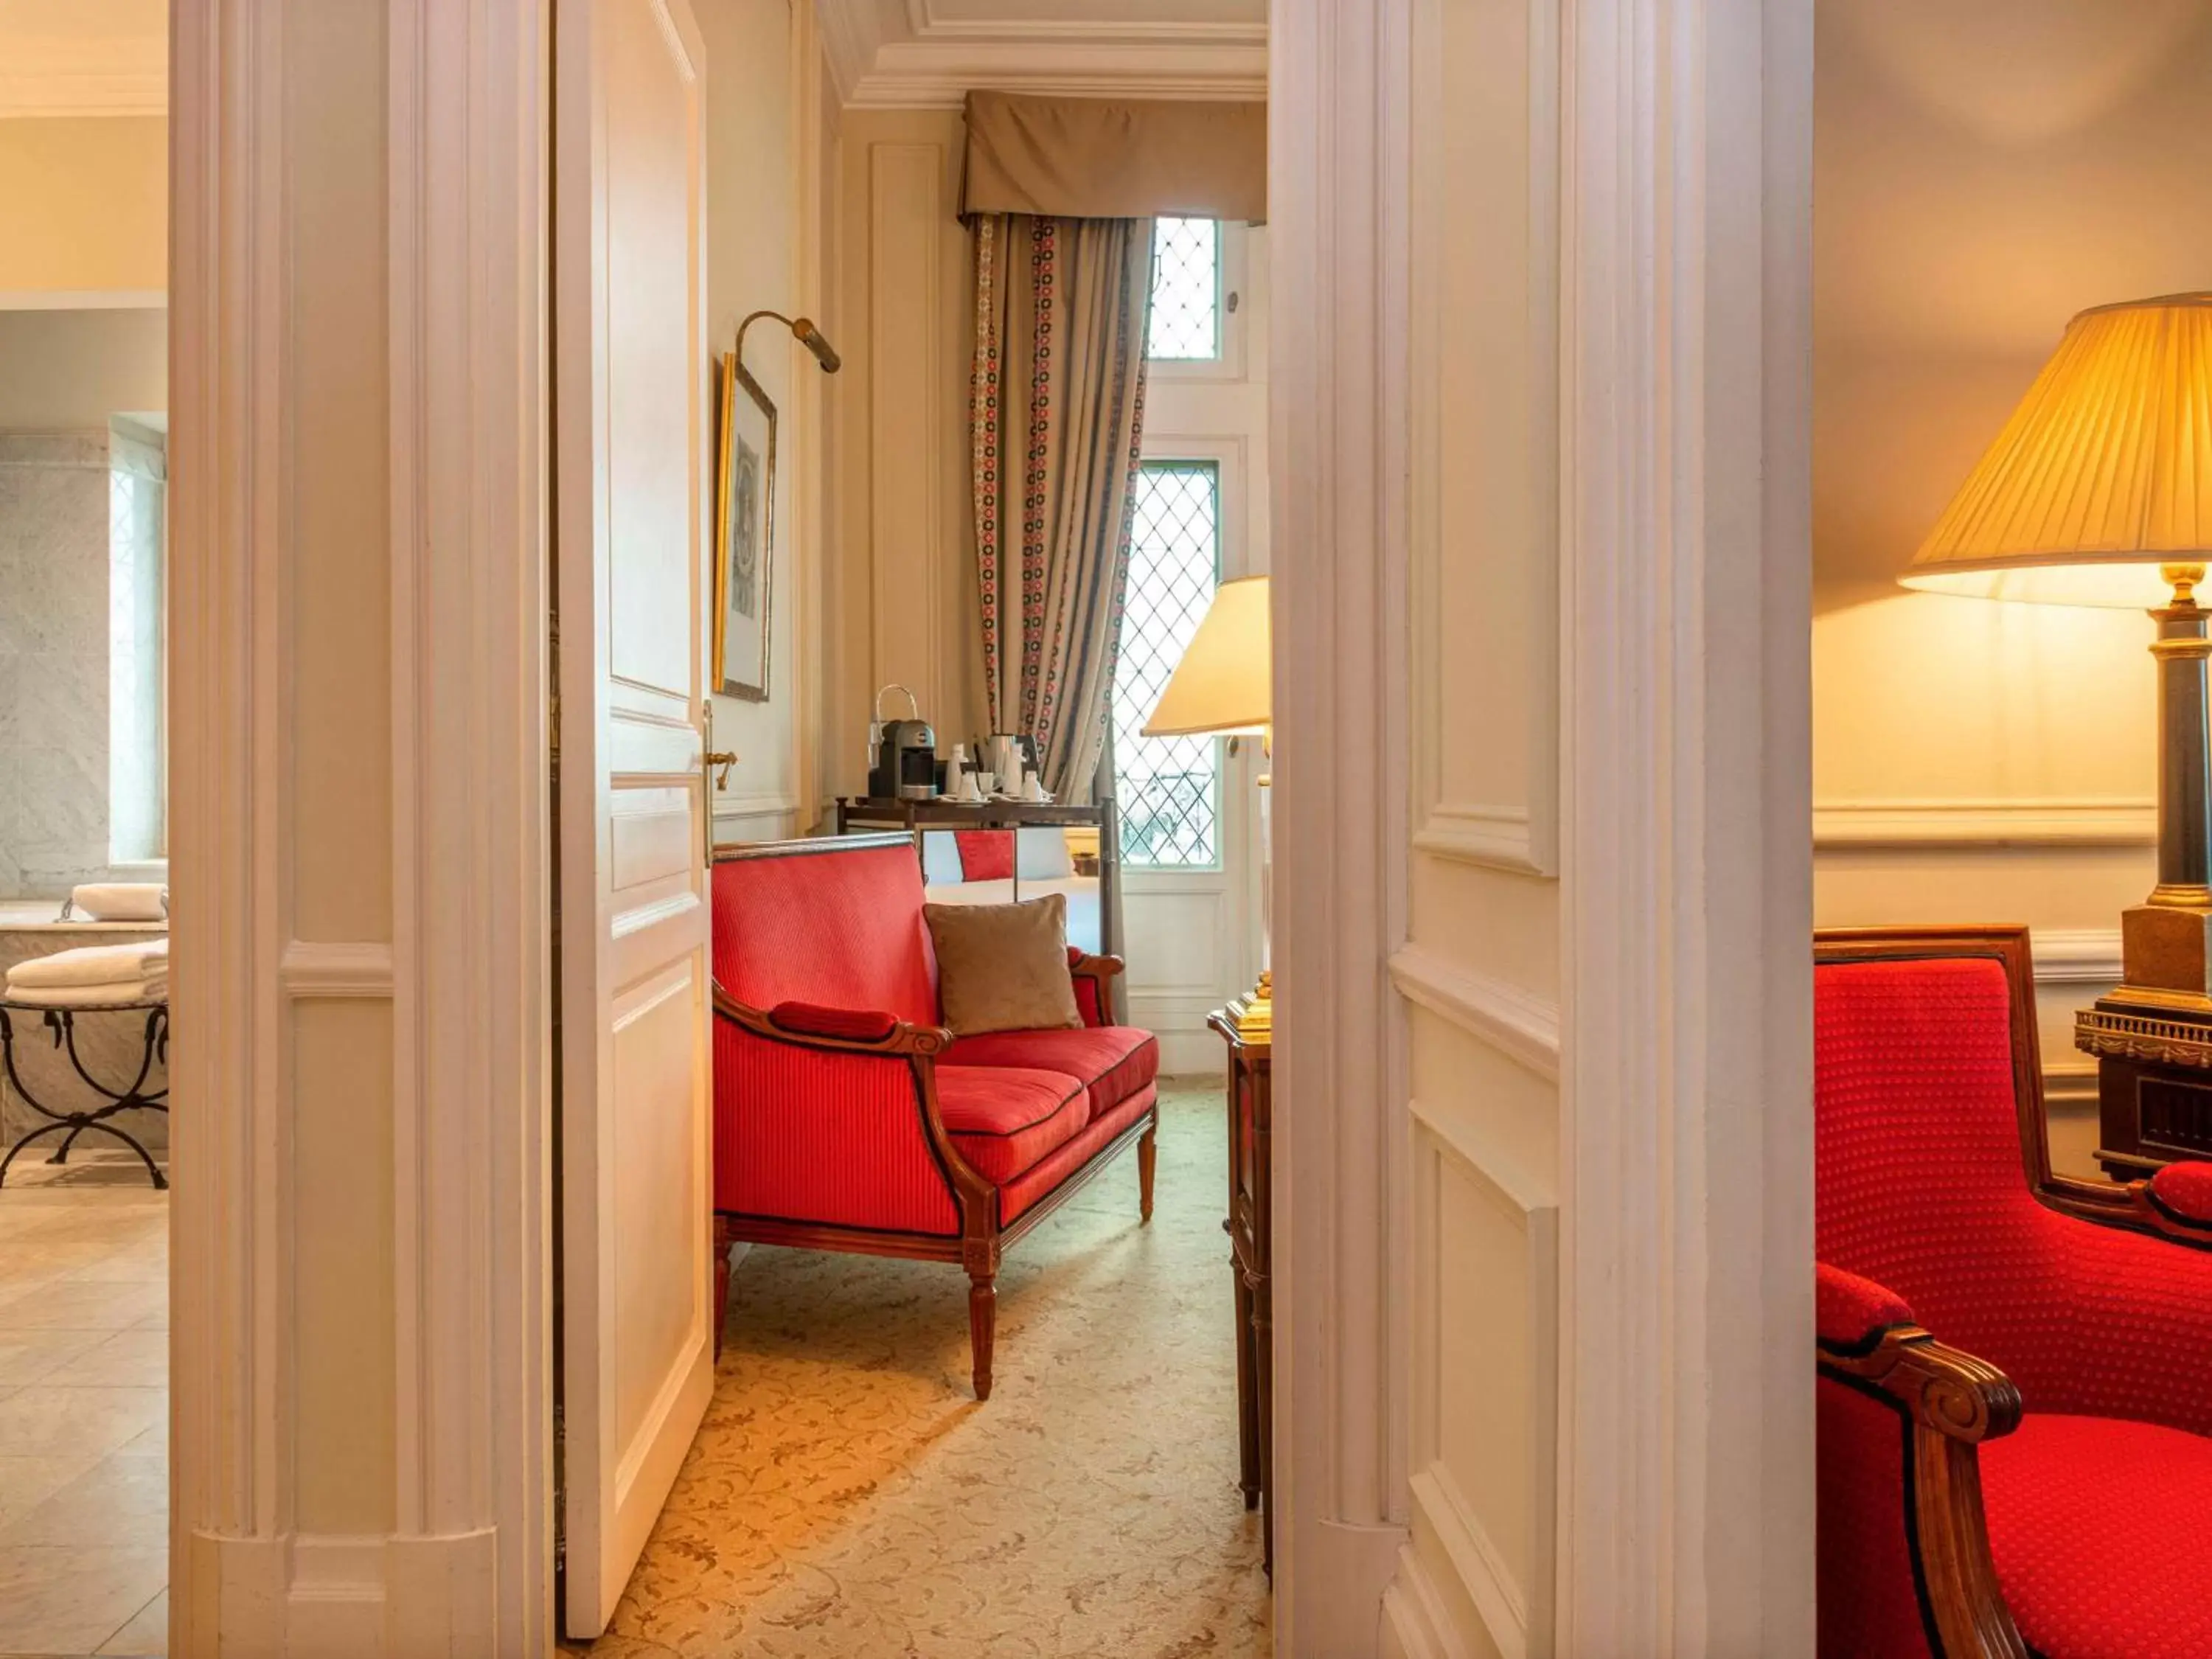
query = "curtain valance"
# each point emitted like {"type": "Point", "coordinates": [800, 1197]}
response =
{"type": "Point", "coordinates": [1115, 158]}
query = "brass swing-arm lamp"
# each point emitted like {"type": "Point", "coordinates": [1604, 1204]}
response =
{"type": "Point", "coordinates": [802, 330]}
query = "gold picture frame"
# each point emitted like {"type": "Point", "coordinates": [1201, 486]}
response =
{"type": "Point", "coordinates": [744, 532]}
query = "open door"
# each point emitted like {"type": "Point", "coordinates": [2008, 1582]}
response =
{"type": "Point", "coordinates": [630, 354]}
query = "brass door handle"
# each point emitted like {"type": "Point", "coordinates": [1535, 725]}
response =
{"type": "Point", "coordinates": [723, 760]}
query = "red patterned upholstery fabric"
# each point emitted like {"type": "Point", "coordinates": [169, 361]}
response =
{"type": "Point", "coordinates": [1112, 1061]}
{"type": "Point", "coordinates": [810, 1136]}
{"type": "Point", "coordinates": [1004, 1120]}
{"type": "Point", "coordinates": [2102, 1535]}
{"type": "Point", "coordinates": [845, 1024]}
{"type": "Point", "coordinates": [2185, 1191]}
{"type": "Point", "coordinates": [841, 929]}
{"type": "Point", "coordinates": [1869, 1605]}
{"type": "Point", "coordinates": [1921, 1188]}
{"type": "Point", "coordinates": [1850, 1312]}
{"type": "Point", "coordinates": [986, 854]}
{"type": "Point", "coordinates": [1026, 1188]}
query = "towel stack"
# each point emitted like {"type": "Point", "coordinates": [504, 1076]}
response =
{"type": "Point", "coordinates": [94, 976]}
{"type": "Point", "coordinates": [117, 900]}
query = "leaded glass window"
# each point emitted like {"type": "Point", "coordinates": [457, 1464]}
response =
{"type": "Point", "coordinates": [1168, 788]}
{"type": "Point", "coordinates": [1186, 323]}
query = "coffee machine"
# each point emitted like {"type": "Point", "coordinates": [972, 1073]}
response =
{"type": "Point", "coordinates": [901, 754]}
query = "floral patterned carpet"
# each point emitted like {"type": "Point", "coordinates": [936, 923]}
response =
{"type": "Point", "coordinates": [848, 1498]}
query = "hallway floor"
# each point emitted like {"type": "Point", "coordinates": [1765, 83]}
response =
{"type": "Point", "coordinates": [85, 1481]}
{"type": "Point", "coordinates": [848, 1497]}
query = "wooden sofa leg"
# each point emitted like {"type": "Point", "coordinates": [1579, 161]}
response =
{"type": "Point", "coordinates": [1148, 1159]}
{"type": "Point", "coordinates": [982, 1328]}
{"type": "Point", "coordinates": [723, 1245]}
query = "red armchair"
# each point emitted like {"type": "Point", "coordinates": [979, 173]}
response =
{"type": "Point", "coordinates": [848, 1118]}
{"type": "Point", "coordinates": [2042, 1486]}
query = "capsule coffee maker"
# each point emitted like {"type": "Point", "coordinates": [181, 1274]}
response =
{"type": "Point", "coordinates": [901, 754]}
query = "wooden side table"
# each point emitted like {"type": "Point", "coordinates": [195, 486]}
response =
{"type": "Point", "coordinates": [1250, 1215]}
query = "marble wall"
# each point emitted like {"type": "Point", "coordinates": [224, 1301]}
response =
{"type": "Point", "coordinates": [70, 506]}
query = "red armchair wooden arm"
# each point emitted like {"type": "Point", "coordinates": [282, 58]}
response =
{"type": "Point", "coordinates": [1906, 1567]}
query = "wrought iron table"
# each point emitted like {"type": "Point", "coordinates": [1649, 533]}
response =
{"type": "Point", "coordinates": [61, 1022]}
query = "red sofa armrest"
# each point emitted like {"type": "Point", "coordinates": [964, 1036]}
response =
{"type": "Point", "coordinates": [829, 1116]}
{"type": "Point", "coordinates": [834, 1031]}
{"type": "Point", "coordinates": [2180, 1195]}
{"type": "Point", "coordinates": [1093, 977]}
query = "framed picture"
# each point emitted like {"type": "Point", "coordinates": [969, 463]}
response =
{"type": "Point", "coordinates": [744, 533]}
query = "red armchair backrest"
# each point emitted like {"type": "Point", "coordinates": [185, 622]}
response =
{"type": "Point", "coordinates": [836, 923]}
{"type": "Point", "coordinates": [1921, 1050]}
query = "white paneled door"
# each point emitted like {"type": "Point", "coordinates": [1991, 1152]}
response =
{"type": "Point", "coordinates": [636, 1349]}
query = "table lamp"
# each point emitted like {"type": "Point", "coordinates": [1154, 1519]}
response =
{"type": "Point", "coordinates": [1225, 685]}
{"type": "Point", "coordinates": [2098, 492]}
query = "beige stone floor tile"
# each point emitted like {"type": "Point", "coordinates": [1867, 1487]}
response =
{"type": "Point", "coordinates": [84, 1307]}
{"type": "Point", "coordinates": [132, 1358]}
{"type": "Point", "coordinates": [146, 1637]}
{"type": "Point", "coordinates": [30, 1356]}
{"type": "Point", "coordinates": [153, 1442]}
{"type": "Point", "coordinates": [56, 1600]}
{"type": "Point", "coordinates": [27, 1482]}
{"type": "Point", "coordinates": [119, 1503]}
{"type": "Point", "coordinates": [38, 1420]}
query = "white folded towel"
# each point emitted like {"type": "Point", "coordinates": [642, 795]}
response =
{"type": "Point", "coordinates": [94, 965]}
{"type": "Point", "coordinates": [135, 991]}
{"type": "Point", "coordinates": [119, 900]}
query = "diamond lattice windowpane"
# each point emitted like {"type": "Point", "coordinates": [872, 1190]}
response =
{"type": "Point", "coordinates": [1185, 290]}
{"type": "Point", "coordinates": [1168, 788]}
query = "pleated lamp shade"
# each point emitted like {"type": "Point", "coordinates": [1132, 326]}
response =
{"type": "Point", "coordinates": [1225, 680]}
{"type": "Point", "coordinates": [2103, 474]}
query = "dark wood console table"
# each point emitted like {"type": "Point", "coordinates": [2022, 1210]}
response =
{"type": "Point", "coordinates": [1249, 1227]}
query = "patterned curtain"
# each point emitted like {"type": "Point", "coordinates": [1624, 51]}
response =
{"type": "Point", "coordinates": [1059, 387]}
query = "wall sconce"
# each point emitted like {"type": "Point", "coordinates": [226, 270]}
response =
{"type": "Point", "coordinates": [804, 331]}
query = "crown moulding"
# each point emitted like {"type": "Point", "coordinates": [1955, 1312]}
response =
{"type": "Point", "coordinates": [896, 54]}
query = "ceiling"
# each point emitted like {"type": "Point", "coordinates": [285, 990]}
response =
{"type": "Point", "coordinates": [111, 56]}
{"type": "Point", "coordinates": [929, 53]}
{"type": "Point", "coordinates": [84, 58]}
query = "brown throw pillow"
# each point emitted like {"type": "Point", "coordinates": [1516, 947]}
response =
{"type": "Point", "coordinates": [1004, 967]}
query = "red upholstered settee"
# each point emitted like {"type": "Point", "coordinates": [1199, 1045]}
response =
{"type": "Point", "coordinates": [848, 1118]}
{"type": "Point", "coordinates": [2014, 1367]}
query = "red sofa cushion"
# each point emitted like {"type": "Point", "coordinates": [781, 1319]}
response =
{"type": "Point", "coordinates": [2102, 1540]}
{"type": "Point", "coordinates": [1038, 1182]}
{"type": "Point", "coordinates": [986, 854]}
{"type": "Point", "coordinates": [1004, 1119]}
{"type": "Point", "coordinates": [839, 928]}
{"type": "Point", "coordinates": [1112, 1061]}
